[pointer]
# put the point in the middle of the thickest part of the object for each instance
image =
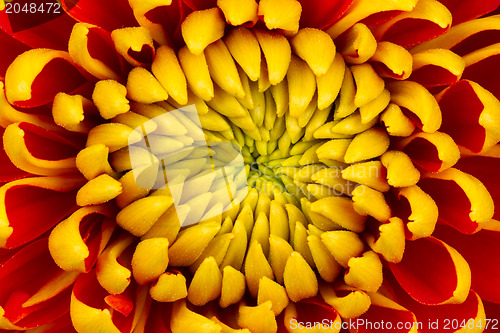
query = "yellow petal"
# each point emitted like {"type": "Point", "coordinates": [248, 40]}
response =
{"type": "Point", "coordinates": [300, 280]}
{"type": "Point", "coordinates": [301, 86]}
{"type": "Point", "coordinates": [279, 252]}
{"type": "Point", "coordinates": [368, 201]}
{"type": "Point", "coordinates": [370, 111]}
{"type": "Point", "coordinates": [139, 216]}
{"type": "Point", "coordinates": [365, 272]}
{"type": "Point", "coordinates": [133, 40]}
{"type": "Point", "coordinates": [424, 212]}
{"type": "Point", "coordinates": [69, 111]}
{"type": "Point", "coordinates": [344, 106]}
{"type": "Point", "coordinates": [256, 267]}
{"type": "Point", "coordinates": [245, 49]}
{"type": "Point", "coordinates": [341, 211]}
{"type": "Point", "coordinates": [201, 28]}
{"type": "Point", "coordinates": [316, 48]}
{"type": "Point", "coordinates": [195, 68]}
{"type": "Point", "coordinates": [372, 174]}
{"type": "Point", "coordinates": [143, 87]}
{"type": "Point", "coordinates": [274, 292]}
{"type": "Point", "coordinates": [184, 320]}
{"type": "Point", "coordinates": [390, 243]}
{"type": "Point", "coordinates": [277, 53]}
{"type": "Point", "coordinates": [101, 189]}
{"type": "Point", "coordinates": [223, 69]}
{"type": "Point", "coordinates": [330, 82]}
{"type": "Point", "coordinates": [110, 98]}
{"type": "Point", "coordinates": [206, 284]}
{"type": "Point", "coordinates": [369, 144]}
{"type": "Point", "coordinates": [352, 305]}
{"type": "Point", "coordinates": [258, 318]}
{"type": "Point", "coordinates": [419, 101]}
{"type": "Point", "coordinates": [141, 8]}
{"type": "Point", "coordinates": [167, 70]}
{"type": "Point", "coordinates": [368, 84]}
{"type": "Point", "coordinates": [111, 275]}
{"type": "Point", "coordinates": [170, 287]}
{"type": "Point", "coordinates": [233, 286]}
{"type": "Point", "coordinates": [325, 263]}
{"type": "Point", "coordinates": [87, 319]}
{"type": "Point", "coordinates": [400, 170]}
{"type": "Point", "coordinates": [343, 245]}
{"type": "Point", "coordinates": [239, 12]}
{"type": "Point", "coordinates": [357, 44]}
{"type": "Point", "coordinates": [281, 14]}
{"type": "Point", "coordinates": [150, 259]}
{"type": "Point", "coordinates": [396, 58]}
{"type": "Point", "coordinates": [396, 122]}
{"type": "Point", "coordinates": [238, 247]}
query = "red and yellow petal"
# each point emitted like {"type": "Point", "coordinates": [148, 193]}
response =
{"type": "Point", "coordinates": [463, 11]}
{"type": "Point", "coordinates": [37, 75]}
{"type": "Point", "coordinates": [11, 48]}
{"type": "Point", "coordinates": [34, 290]}
{"type": "Point", "coordinates": [464, 202]}
{"type": "Point", "coordinates": [471, 115]}
{"type": "Point", "coordinates": [31, 206]}
{"type": "Point", "coordinates": [480, 250]}
{"type": "Point", "coordinates": [433, 273]}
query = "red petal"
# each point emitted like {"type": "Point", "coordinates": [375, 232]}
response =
{"type": "Point", "coordinates": [170, 19]}
{"type": "Point", "coordinates": [492, 311]}
{"type": "Point", "coordinates": [481, 252]}
{"type": "Point", "coordinates": [200, 4]}
{"type": "Point", "coordinates": [432, 273]}
{"type": "Point", "coordinates": [463, 201]}
{"type": "Point", "coordinates": [31, 206]}
{"type": "Point", "coordinates": [486, 170]}
{"type": "Point", "coordinates": [21, 277]}
{"type": "Point", "coordinates": [322, 13]}
{"type": "Point", "coordinates": [159, 318]}
{"type": "Point", "coordinates": [109, 14]}
{"type": "Point", "coordinates": [465, 10]}
{"type": "Point", "coordinates": [53, 34]}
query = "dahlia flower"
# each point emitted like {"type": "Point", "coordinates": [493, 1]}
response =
{"type": "Point", "coordinates": [250, 166]}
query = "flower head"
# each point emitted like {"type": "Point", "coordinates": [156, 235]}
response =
{"type": "Point", "coordinates": [219, 166]}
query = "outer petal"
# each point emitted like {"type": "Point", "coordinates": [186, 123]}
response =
{"type": "Point", "coordinates": [463, 10]}
{"type": "Point", "coordinates": [471, 115]}
{"type": "Point", "coordinates": [433, 273]}
{"type": "Point", "coordinates": [34, 290]}
{"type": "Point", "coordinates": [31, 206]}
{"type": "Point", "coordinates": [463, 201]}
{"type": "Point", "coordinates": [314, 310]}
{"type": "Point", "coordinates": [492, 310]}
{"type": "Point", "coordinates": [481, 252]}
{"type": "Point", "coordinates": [481, 66]}
{"type": "Point", "coordinates": [110, 14]}
{"type": "Point", "coordinates": [52, 34]}
{"type": "Point", "coordinates": [321, 19]}
{"type": "Point", "coordinates": [36, 76]}
{"type": "Point", "coordinates": [39, 151]}
{"type": "Point", "coordinates": [8, 171]}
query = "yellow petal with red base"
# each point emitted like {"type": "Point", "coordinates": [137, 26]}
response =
{"type": "Point", "coordinates": [201, 28]}
{"type": "Point", "coordinates": [283, 15]}
{"type": "Point", "coordinates": [311, 315]}
{"type": "Point", "coordinates": [357, 44]}
{"type": "Point", "coordinates": [135, 45]}
{"type": "Point", "coordinates": [82, 53]}
{"type": "Point", "coordinates": [437, 67]}
{"type": "Point", "coordinates": [31, 148]}
{"type": "Point", "coordinates": [361, 9]}
{"type": "Point", "coordinates": [39, 203]}
{"type": "Point", "coordinates": [37, 75]}
{"type": "Point", "coordinates": [432, 151]}
{"type": "Point", "coordinates": [239, 12]}
{"type": "Point", "coordinates": [141, 10]}
{"type": "Point", "coordinates": [417, 100]}
{"type": "Point", "coordinates": [467, 204]}
{"type": "Point", "coordinates": [70, 248]}
{"type": "Point", "coordinates": [433, 273]}
{"type": "Point", "coordinates": [392, 60]}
